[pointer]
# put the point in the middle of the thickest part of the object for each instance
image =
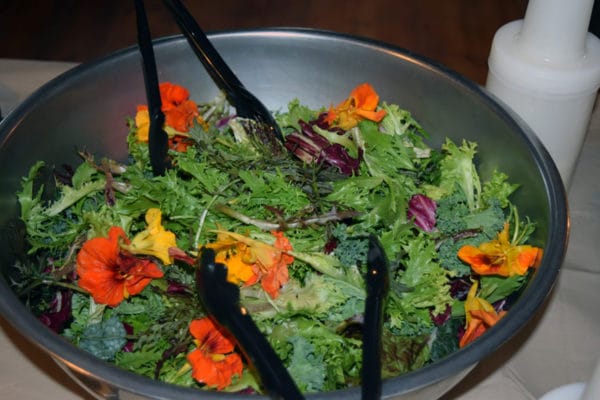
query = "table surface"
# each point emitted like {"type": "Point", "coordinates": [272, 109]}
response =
{"type": "Point", "coordinates": [560, 346]}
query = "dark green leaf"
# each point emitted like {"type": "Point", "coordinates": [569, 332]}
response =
{"type": "Point", "coordinates": [104, 339]}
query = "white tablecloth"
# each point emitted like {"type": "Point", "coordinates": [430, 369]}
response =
{"type": "Point", "coordinates": [560, 346]}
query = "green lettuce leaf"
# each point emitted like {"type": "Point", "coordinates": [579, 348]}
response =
{"type": "Point", "coordinates": [306, 365]}
{"type": "Point", "coordinates": [428, 289]}
{"type": "Point", "coordinates": [288, 121]}
{"type": "Point", "coordinates": [458, 170]}
{"type": "Point", "coordinates": [321, 296]}
{"type": "Point", "coordinates": [402, 354]}
{"type": "Point", "coordinates": [498, 189]}
{"type": "Point", "coordinates": [339, 357]}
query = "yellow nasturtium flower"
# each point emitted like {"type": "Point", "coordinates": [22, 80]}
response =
{"type": "Point", "coordinates": [480, 315]}
{"type": "Point", "coordinates": [155, 240]}
{"type": "Point", "coordinates": [235, 254]}
{"type": "Point", "coordinates": [250, 261]}
{"type": "Point", "coordinates": [361, 104]}
{"type": "Point", "coordinates": [500, 256]}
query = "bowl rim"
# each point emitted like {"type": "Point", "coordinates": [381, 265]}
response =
{"type": "Point", "coordinates": [529, 302]}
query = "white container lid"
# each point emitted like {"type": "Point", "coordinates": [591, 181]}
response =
{"type": "Point", "coordinates": [550, 49]}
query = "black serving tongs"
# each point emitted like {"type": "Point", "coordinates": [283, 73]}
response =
{"type": "Point", "coordinates": [377, 282]}
{"type": "Point", "coordinates": [222, 300]}
{"type": "Point", "coordinates": [246, 104]}
{"type": "Point", "coordinates": [157, 137]}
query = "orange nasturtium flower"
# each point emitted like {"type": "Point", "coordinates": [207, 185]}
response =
{"type": "Point", "coordinates": [480, 315]}
{"type": "Point", "coordinates": [155, 240]}
{"type": "Point", "coordinates": [361, 104]}
{"type": "Point", "coordinates": [500, 256]}
{"type": "Point", "coordinates": [179, 110]}
{"type": "Point", "coordinates": [111, 274]}
{"type": "Point", "coordinates": [249, 260]}
{"type": "Point", "coordinates": [180, 113]}
{"type": "Point", "coordinates": [213, 361]}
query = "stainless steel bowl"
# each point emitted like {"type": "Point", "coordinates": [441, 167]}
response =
{"type": "Point", "coordinates": [87, 107]}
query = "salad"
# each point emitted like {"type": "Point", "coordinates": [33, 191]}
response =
{"type": "Point", "coordinates": [113, 249]}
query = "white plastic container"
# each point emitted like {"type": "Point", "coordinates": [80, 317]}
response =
{"type": "Point", "coordinates": [579, 390]}
{"type": "Point", "coordinates": [572, 391]}
{"type": "Point", "coordinates": [546, 68]}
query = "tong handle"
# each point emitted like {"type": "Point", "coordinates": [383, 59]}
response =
{"type": "Point", "coordinates": [377, 282]}
{"type": "Point", "coordinates": [221, 298]}
{"type": "Point", "coordinates": [158, 141]}
{"type": "Point", "coordinates": [206, 52]}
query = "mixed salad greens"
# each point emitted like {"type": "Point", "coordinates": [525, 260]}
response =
{"type": "Point", "coordinates": [112, 254]}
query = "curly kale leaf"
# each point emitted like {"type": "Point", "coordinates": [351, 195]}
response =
{"type": "Point", "coordinates": [454, 217]}
{"type": "Point", "coordinates": [459, 226]}
{"type": "Point", "coordinates": [445, 339]}
{"type": "Point", "coordinates": [349, 249]}
{"type": "Point", "coordinates": [448, 250]}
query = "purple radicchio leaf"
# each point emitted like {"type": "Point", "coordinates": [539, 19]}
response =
{"type": "Point", "coordinates": [310, 133]}
{"type": "Point", "coordinates": [322, 123]}
{"type": "Point", "coordinates": [441, 318]}
{"type": "Point", "coordinates": [421, 209]}
{"type": "Point", "coordinates": [500, 305]}
{"type": "Point", "coordinates": [109, 191]}
{"type": "Point", "coordinates": [66, 175]}
{"type": "Point", "coordinates": [176, 288]}
{"type": "Point", "coordinates": [311, 147]}
{"type": "Point", "coordinates": [223, 121]}
{"type": "Point", "coordinates": [306, 144]}
{"type": "Point", "coordinates": [330, 246]}
{"type": "Point", "coordinates": [248, 390]}
{"type": "Point", "coordinates": [59, 311]}
{"type": "Point", "coordinates": [459, 287]}
{"type": "Point", "coordinates": [128, 348]}
{"type": "Point", "coordinates": [337, 156]}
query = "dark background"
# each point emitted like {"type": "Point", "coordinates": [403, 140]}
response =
{"type": "Point", "coordinates": [455, 33]}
